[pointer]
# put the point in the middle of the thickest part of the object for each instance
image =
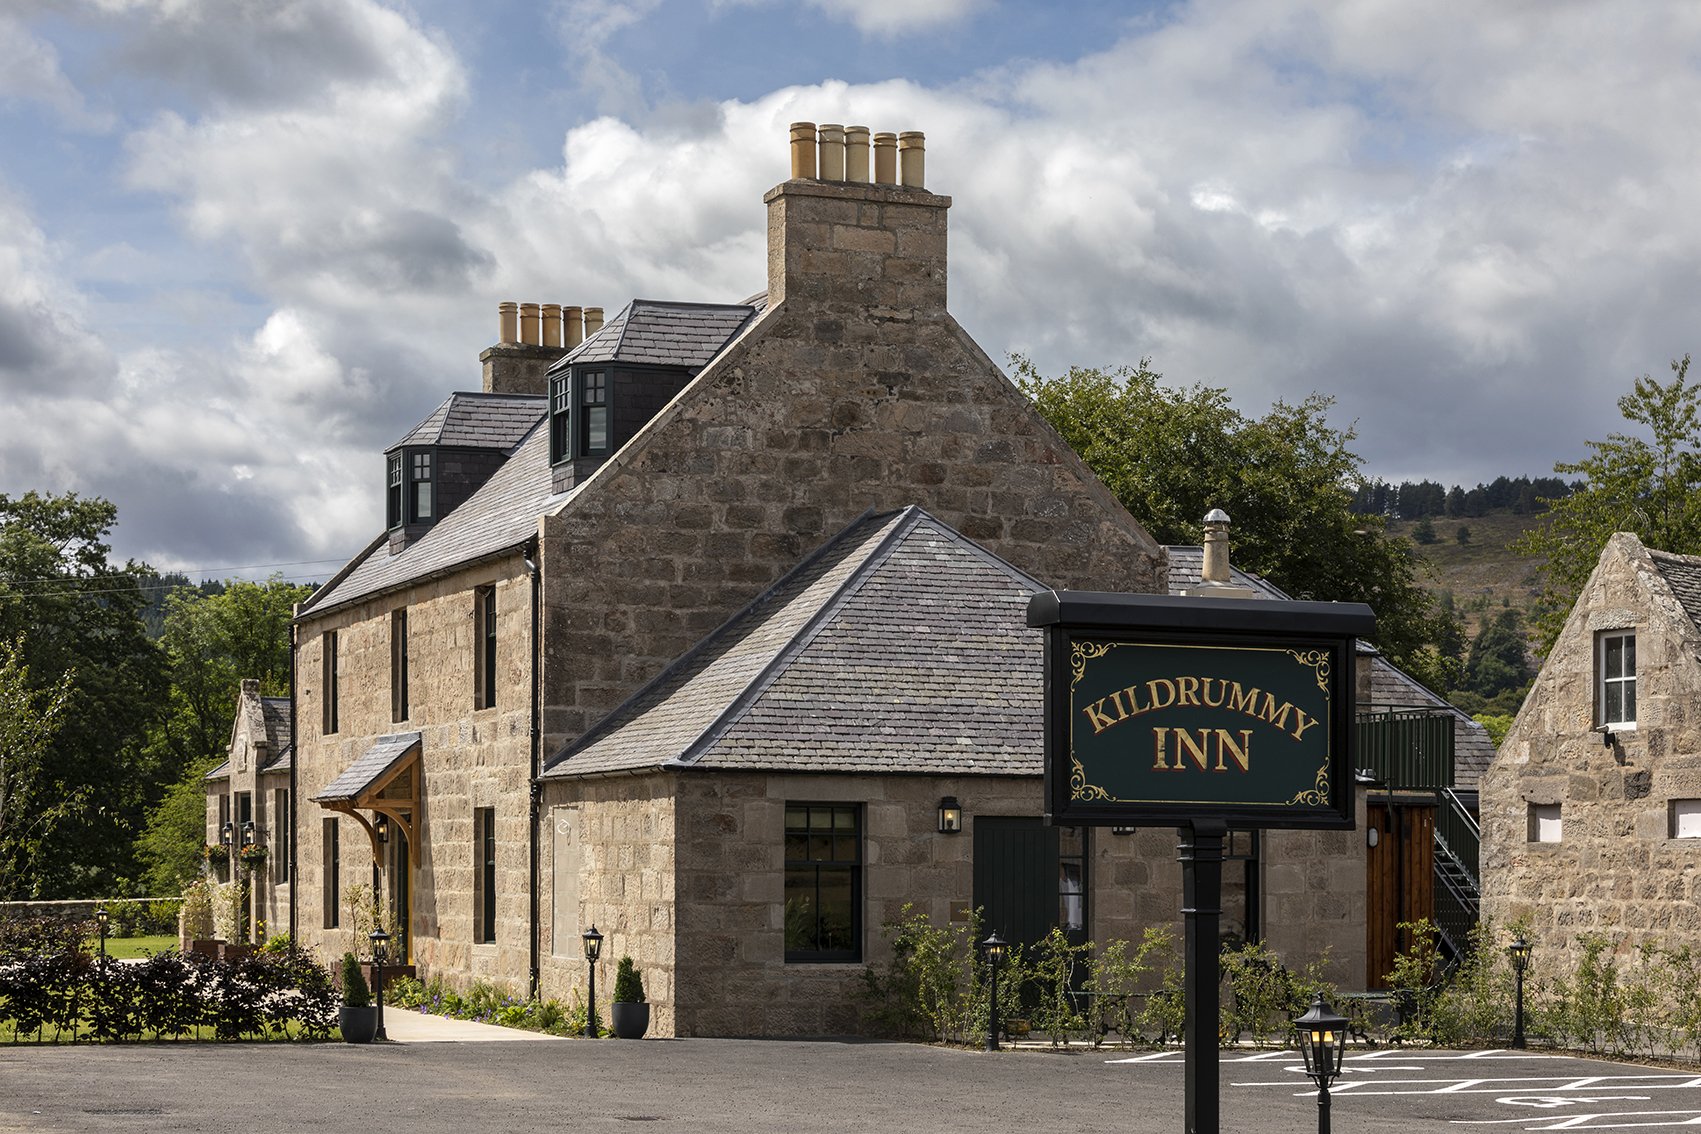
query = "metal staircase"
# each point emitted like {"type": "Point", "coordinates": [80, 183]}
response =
{"type": "Point", "coordinates": [1458, 889]}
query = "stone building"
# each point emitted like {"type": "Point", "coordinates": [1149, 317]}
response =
{"type": "Point", "coordinates": [249, 805]}
{"type": "Point", "coordinates": [712, 632]}
{"type": "Point", "coordinates": [1591, 813]}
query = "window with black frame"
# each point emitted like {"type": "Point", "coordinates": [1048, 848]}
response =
{"type": "Point", "coordinates": [593, 403]}
{"type": "Point", "coordinates": [420, 487]}
{"type": "Point", "coordinates": [560, 416]}
{"type": "Point", "coordinates": [393, 491]}
{"type": "Point", "coordinates": [823, 886]}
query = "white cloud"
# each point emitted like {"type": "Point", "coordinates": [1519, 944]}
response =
{"type": "Point", "coordinates": [30, 70]}
{"type": "Point", "coordinates": [893, 17]}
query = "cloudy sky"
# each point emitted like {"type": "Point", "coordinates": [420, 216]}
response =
{"type": "Point", "coordinates": [245, 244]}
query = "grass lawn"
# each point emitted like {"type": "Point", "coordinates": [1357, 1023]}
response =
{"type": "Point", "coordinates": [8, 1035]}
{"type": "Point", "coordinates": [126, 948]}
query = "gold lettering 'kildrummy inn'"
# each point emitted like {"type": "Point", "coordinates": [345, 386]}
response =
{"type": "Point", "coordinates": [1196, 692]}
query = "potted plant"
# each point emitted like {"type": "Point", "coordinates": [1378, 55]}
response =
{"type": "Point", "coordinates": [252, 856]}
{"type": "Point", "coordinates": [357, 1018]}
{"type": "Point", "coordinates": [631, 1010]}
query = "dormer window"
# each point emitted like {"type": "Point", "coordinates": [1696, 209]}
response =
{"type": "Point", "coordinates": [590, 436]}
{"type": "Point", "coordinates": [408, 497]}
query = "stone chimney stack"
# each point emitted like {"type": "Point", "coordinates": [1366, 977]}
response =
{"type": "Point", "coordinates": [1216, 580]}
{"type": "Point", "coordinates": [530, 338]}
{"type": "Point", "coordinates": [837, 239]}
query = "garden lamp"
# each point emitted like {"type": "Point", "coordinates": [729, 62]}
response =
{"type": "Point", "coordinates": [593, 949]}
{"type": "Point", "coordinates": [380, 941]}
{"type": "Point", "coordinates": [995, 949]}
{"type": "Point", "coordinates": [1322, 1043]}
{"type": "Point", "coordinates": [1519, 951]}
{"type": "Point", "coordinates": [102, 920]}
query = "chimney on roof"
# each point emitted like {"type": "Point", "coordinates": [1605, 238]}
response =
{"type": "Point", "coordinates": [1215, 578]}
{"type": "Point", "coordinates": [837, 239]}
{"type": "Point", "coordinates": [530, 338]}
{"type": "Point", "coordinates": [593, 321]}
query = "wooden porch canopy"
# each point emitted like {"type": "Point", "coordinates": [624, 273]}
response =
{"type": "Point", "coordinates": [384, 780]}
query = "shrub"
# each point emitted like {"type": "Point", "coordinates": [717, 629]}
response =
{"type": "Point", "coordinates": [195, 912]}
{"type": "Point", "coordinates": [628, 985]}
{"type": "Point", "coordinates": [356, 994]}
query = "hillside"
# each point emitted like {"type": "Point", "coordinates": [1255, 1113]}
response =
{"type": "Point", "coordinates": [1483, 575]}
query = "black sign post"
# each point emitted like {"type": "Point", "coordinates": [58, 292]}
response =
{"type": "Point", "coordinates": [1205, 713]}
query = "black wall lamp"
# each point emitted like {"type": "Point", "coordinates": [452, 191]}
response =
{"type": "Point", "coordinates": [950, 816]}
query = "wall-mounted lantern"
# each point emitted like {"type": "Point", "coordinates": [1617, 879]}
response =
{"type": "Point", "coordinates": [950, 816]}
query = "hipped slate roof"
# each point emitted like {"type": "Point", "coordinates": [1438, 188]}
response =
{"type": "Point", "coordinates": [386, 752]}
{"type": "Point", "coordinates": [1390, 687]}
{"type": "Point", "coordinates": [478, 421]}
{"type": "Point", "coordinates": [899, 646]}
{"type": "Point", "coordinates": [647, 332]}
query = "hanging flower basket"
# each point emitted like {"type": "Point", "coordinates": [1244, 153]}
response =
{"type": "Point", "coordinates": [252, 857]}
{"type": "Point", "coordinates": [216, 854]}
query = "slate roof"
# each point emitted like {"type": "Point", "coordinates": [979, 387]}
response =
{"type": "Point", "coordinates": [1390, 687]}
{"type": "Point", "coordinates": [478, 421]}
{"type": "Point", "coordinates": [222, 772]}
{"type": "Point", "coordinates": [1682, 574]}
{"type": "Point", "coordinates": [386, 752]}
{"type": "Point", "coordinates": [276, 713]}
{"type": "Point", "coordinates": [502, 514]}
{"type": "Point", "coordinates": [899, 646]}
{"type": "Point", "coordinates": [664, 334]}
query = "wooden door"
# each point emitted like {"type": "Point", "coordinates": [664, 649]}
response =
{"type": "Point", "coordinates": [1401, 883]}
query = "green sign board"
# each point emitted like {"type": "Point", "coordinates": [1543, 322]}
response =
{"type": "Point", "coordinates": [1175, 709]}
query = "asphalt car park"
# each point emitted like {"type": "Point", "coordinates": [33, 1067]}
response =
{"type": "Point", "coordinates": [757, 1086]}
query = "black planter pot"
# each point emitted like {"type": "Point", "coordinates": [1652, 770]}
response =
{"type": "Point", "coordinates": [631, 1021]}
{"type": "Point", "coordinates": [359, 1025]}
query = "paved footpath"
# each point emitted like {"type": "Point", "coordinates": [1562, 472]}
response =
{"type": "Point", "coordinates": [517, 1084]}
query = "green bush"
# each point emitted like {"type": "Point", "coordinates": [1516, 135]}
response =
{"type": "Point", "coordinates": [356, 993]}
{"type": "Point", "coordinates": [628, 985]}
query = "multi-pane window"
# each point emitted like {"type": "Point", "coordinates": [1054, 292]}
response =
{"type": "Point", "coordinates": [484, 642]}
{"type": "Point", "coordinates": [393, 490]}
{"type": "Point", "coordinates": [484, 855]}
{"type": "Point", "coordinates": [1072, 880]}
{"type": "Point", "coordinates": [1617, 688]}
{"type": "Point", "coordinates": [560, 416]}
{"type": "Point", "coordinates": [328, 682]}
{"type": "Point", "coordinates": [399, 664]}
{"type": "Point", "coordinates": [419, 486]}
{"type": "Point", "coordinates": [593, 400]}
{"type": "Point", "coordinates": [333, 873]}
{"type": "Point", "coordinates": [823, 888]}
{"type": "Point", "coordinates": [283, 826]}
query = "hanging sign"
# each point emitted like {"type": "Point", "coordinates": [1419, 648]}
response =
{"type": "Point", "coordinates": [1163, 709]}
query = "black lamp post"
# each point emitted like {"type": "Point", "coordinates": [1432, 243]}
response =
{"type": "Point", "coordinates": [996, 949]}
{"type": "Point", "coordinates": [102, 921]}
{"type": "Point", "coordinates": [380, 941]}
{"type": "Point", "coordinates": [1322, 1042]}
{"type": "Point", "coordinates": [593, 949]}
{"type": "Point", "coordinates": [1519, 951]}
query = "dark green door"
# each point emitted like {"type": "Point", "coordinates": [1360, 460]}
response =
{"type": "Point", "coordinates": [1028, 878]}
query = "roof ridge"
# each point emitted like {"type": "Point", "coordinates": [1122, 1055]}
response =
{"type": "Point", "coordinates": [687, 303]}
{"type": "Point", "coordinates": [606, 722]}
{"type": "Point", "coordinates": [907, 518]}
{"type": "Point", "coordinates": [624, 318]}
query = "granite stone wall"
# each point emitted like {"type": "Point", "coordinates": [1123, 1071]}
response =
{"type": "Point", "coordinates": [470, 759]}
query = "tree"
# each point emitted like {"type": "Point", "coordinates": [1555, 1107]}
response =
{"type": "Point", "coordinates": [1463, 535]}
{"type": "Point", "coordinates": [1647, 485]}
{"type": "Point", "coordinates": [1424, 532]}
{"type": "Point", "coordinates": [30, 810]}
{"type": "Point", "coordinates": [1288, 481]}
{"type": "Point", "coordinates": [73, 611]}
{"type": "Point", "coordinates": [1499, 661]}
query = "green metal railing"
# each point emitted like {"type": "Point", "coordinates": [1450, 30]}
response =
{"type": "Point", "coordinates": [1407, 749]}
